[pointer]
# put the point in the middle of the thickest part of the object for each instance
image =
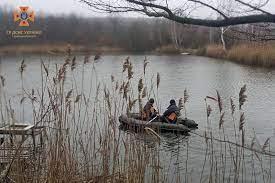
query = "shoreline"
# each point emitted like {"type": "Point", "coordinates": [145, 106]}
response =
{"type": "Point", "coordinates": [57, 49]}
{"type": "Point", "coordinates": [246, 54]}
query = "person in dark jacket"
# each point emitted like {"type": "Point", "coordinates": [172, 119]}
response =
{"type": "Point", "coordinates": [149, 112]}
{"type": "Point", "coordinates": [172, 112]}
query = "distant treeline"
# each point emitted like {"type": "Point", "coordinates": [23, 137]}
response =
{"type": "Point", "coordinates": [130, 34]}
{"type": "Point", "coordinates": [133, 34]}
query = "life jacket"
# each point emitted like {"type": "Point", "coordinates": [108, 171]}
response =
{"type": "Point", "coordinates": [172, 117]}
{"type": "Point", "coordinates": [144, 113]}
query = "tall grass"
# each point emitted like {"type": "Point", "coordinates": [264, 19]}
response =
{"type": "Point", "coordinates": [215, 51]}
{"type": "Point", "coordinates": [84, 143]}
{"type": "Point", "coordinates": [58, 48]}
{"type": "Point", "coordinates": [168, 49]}
{"type": "Point", "coordinates": [249, 54]}
{"type": "Point", "coordinates": [261, 55]}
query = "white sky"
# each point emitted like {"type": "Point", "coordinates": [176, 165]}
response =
{"type": "Point", "coordinates": [74, 6]}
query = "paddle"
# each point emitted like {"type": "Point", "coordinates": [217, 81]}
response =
{"type": "Point", "coordinates": [147, 129]}
{"type": "Point", "coordinates": [151, 120]}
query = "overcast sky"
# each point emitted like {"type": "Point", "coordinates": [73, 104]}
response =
{"type": "Point", "coordinates": [74, 6]}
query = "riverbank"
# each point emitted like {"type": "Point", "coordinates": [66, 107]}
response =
{"type": "Point", "coordinates": [64, 47]}
{"type": "Point", "coordinates": [248, 54]}
{"type": "Point", "coordinates": [55, 49]}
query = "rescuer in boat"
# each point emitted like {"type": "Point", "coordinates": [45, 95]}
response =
{"type": "Point", "coordinates": [172, 112]}
{"type": "Point", "coordinates": [149, 112]}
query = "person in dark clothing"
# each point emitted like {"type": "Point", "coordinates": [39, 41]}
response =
{"type": "Point", "coordinates": [149, 112]}
{"type": "Point", "coordinates": [172, 112]}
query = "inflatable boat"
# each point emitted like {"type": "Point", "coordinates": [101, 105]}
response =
{"type": "Point", "coordinates": [133, 121]}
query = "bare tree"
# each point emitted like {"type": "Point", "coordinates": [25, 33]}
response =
{"type": "Point", "coordinates": [228, 6]}
{"type": "Point", "coordinates": [183, 11]}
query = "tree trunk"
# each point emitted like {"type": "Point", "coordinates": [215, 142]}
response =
{"type": "Point", "coordinates": [222, 39]}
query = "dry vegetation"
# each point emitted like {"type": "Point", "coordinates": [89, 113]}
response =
{"type": "Point", "coordinates": [55, 49]}
{"type": "Point", "coordinates": [84, 143]}
{"type": "Point", "coordinates": [249, 54]}
{"type": "Point", "coordinates": [168, 49]}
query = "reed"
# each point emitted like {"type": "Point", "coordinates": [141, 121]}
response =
{"type": "Point", "coordinates": [84, 142]}
{"type": "Point", "coordinates": [215, 51]}
{"type": "Point", "coordinates": [167, 49]}
{"type": "Point", "coordinates": [248, 54]}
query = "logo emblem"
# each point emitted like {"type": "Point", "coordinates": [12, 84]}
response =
{"type": "Point", "coordinates": [23, 16]}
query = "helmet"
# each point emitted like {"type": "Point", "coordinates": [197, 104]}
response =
{"type": "Point", "coordinates": [151, 100]}
{"type": "Point", "coordinates": [172, 102]}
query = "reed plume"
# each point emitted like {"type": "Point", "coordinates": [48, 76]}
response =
{"type": "Point", "coordinates": [209, 110]}
{"type": "Point", "coordinates": [117, 86]}
{"type": "Point", "coordinates": [242, 97]}
{"type": "Point", "coordinates": [221, 121]}
{"type": "Point", "coordinates": [180, 104]}
{"type": "Point", "coordinates": [140, 85]}
{"type": "Point", "coordinates": [242, 118]}
{"type": "Point", "coordinates": [112, 78]}
{"type": "Point", "coordinates": [125, 64]}
{"type": "Point", "coordinates": [22, 67]}
{"type": "Point", "coordinates": [73, 65]}
{"type": "Point", "coordinates": [126, 90]}
{"type": "Point", "coordinates": [219, 101]}
{"type": "Point", "coordinates": [77, 98]}
{"type": "Point", "coordinates": [233, 106]}
{"type": "Point", "coordinates": [2, 80]}
{"type": "Point", "coordinates": [130, 71]}
{"type": "Point", "coordinates": [69, 94]}
{"type": "Point", "coordinates": [158, 80]}
{"type": "Point", "coordinates": [185, 96]}
{"type": "Point", "coordinates": [121, 87]}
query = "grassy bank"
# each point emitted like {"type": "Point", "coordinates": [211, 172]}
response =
{"type": "Point", "coordinates": [55, 48]}
{"type": "Point", "coordinates": [259, 55]}
{"type": "Point", "coordinates": [62, 48]}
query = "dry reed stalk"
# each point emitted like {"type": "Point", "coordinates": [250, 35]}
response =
{"type": "Point", "coordinates": [145, 63]}
{"type": "Point", "coordinates": [219, 101]}
{"type": "Point", "coordinates": [86, 150]}
{"type": "Point", "coordinates": [209, 110]}
{"type": "Point", "coordinates": [73, 65]}
{"type": "Point", "coordinates": [140, 85]}
{"type": "Point", "coordinates": [233, 106]}
{"type": "Point", "coordinates": [221, 121]}
{"type": "Point", "coordinates": [144, 92]}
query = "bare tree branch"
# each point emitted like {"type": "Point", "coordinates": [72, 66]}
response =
{"type": "Point", "coordinates": [158, 10]}
{"type": "Point", "coordinates": [254, 7]}
{"type": "Point", "coordinates": [211, 7]}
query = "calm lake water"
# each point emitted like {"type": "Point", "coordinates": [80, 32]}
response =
{"type": "Point", "coordinates": [201, 76]}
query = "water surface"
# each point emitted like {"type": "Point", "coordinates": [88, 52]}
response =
{"type": "Point", "coordinates": [201, 76]}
